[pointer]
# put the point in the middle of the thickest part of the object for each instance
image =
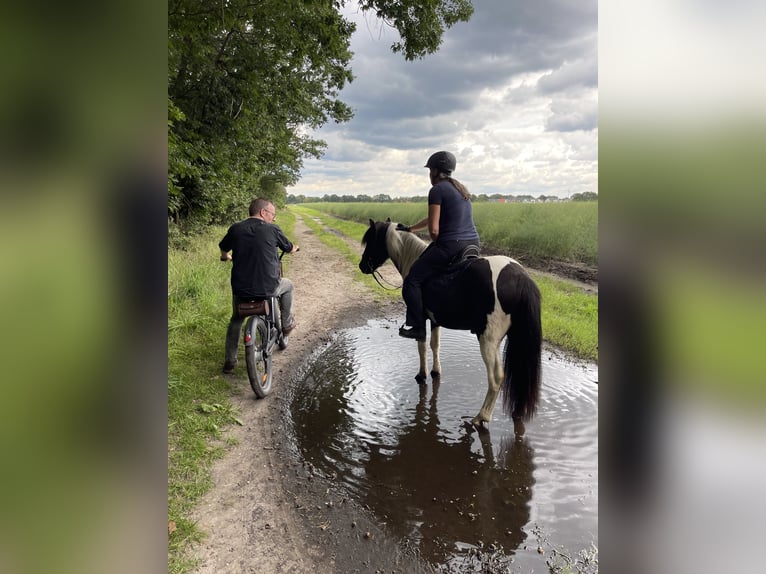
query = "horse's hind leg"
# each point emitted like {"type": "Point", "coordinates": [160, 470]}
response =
{"type": "Point", "coordinates": [436, 371]}
{"type": "Point", "coordinates": [421, 376]}
{"type": "Point", "coordinates": [491, 356]}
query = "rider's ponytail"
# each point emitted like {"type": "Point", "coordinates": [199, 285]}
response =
{"type": "Point", "coordinates": [463, 190]}
{"type": "Point", "coordinates": [460, 187]}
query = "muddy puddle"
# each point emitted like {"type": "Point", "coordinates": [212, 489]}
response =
{"type": "Point", "coordinates": [458, 496]}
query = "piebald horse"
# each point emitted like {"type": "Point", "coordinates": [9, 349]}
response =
{"type": "Point", "coordinates": [493, 297]}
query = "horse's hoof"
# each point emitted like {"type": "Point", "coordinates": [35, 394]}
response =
{"type": "Point", "coordinates": [436, 376]}
{"type": "Point", "coordinates": [479, 425]}
{"type": "Point", "coordinates": [421, 379]}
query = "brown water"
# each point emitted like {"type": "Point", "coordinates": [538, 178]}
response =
{"type": "Point", "coordinates": [408, 453]}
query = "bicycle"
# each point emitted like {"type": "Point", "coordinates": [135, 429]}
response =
{"type": "Point", "coordinates": [262, 332]}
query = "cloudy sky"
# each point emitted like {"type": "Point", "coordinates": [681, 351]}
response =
{"type": "Point", "coordinates": [513, 93]}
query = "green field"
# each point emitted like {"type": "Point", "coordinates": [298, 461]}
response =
{"type": "Point", "coordinates": [529, 232]}
{"type": "Point", "coordinates": [570, 316]}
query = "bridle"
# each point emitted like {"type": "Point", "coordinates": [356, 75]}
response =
{"type": "Point", "coordinates": [378, 278]}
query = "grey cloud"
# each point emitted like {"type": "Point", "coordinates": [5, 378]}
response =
{"type": "Point", "coordinates": [523, 35]}
{"type": "Point", "coordinates": [397, 134]}
{"type": "Point", "coordinates": [571, 73]}
{"type": "Point", "coordinates": [431, 103]}
{"type": "Point", "coordinates": [341, 147]}
{"type": "Point", "coordinates": [504, 38]}
{"type": "Point", "coordinates": [572, 115]}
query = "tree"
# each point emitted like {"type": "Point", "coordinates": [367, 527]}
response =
{"type": "Point", "coordinates": [420, 23]}
{"type": "Point", "coordinates": [246, 78]}
{"type": "Point", "coordinates": [585, 196]}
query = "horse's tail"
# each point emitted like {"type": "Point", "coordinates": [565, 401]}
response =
{"type": "Point", "coordinates": [520, 298]}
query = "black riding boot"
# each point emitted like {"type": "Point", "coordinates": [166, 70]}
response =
{"type": "Point", "coordinates": [408, 332]}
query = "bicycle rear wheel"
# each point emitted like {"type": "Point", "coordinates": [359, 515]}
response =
{"type": "Point", "coordinates": [257, 359]}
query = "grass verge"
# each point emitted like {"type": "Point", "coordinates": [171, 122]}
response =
{"type": "Point", "coordinates": [199, 408]}
{"type": "Point", "coordinates": [569, 316]}
{"type": "Point", "coordinates": [198, 395]}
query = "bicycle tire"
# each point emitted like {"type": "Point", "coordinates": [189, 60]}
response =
{"type": "Point", "coordinates": [257, 359]}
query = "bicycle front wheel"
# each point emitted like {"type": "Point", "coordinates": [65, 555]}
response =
{"type": "Point", "coordinates": [256, 357]}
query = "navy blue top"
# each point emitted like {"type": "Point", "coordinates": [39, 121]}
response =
{"type": "Point", "coordinates": [456, 217]}
{"type": "Point", "coordinates": [254, 243]}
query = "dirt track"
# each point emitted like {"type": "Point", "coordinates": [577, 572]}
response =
{"type": "Point", "coordinates": [266, 512]}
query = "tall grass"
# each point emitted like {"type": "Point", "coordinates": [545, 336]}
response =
{"type": "Point", "coordinates": [569, 316]}
{"type": "Point", "coordinates": [199, 305]}
{"type": "Point", "coordinates": [540, 231]}
{"type": "Point", "coordinates": [559, 231]}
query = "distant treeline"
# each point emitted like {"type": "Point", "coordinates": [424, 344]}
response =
{"type": "Point", "coordinates": [482, 198]}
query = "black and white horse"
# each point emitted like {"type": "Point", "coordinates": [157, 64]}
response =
{"type": "Point", "coordinates": [492, 297]}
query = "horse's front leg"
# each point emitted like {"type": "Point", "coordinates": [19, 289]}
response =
{"type": "Point", "coordinates": [436, 371]}
{"type": "Point", "coordinates": [421, 376]}
{"type": "Point", "coordinates": [491, 356]}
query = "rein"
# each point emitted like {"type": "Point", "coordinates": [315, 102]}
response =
{"type": "Point", "coordinates": [376, 275]}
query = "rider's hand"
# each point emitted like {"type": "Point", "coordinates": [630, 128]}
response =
{"type": "Point", "coordinates": [226, 257]}
{"type": "Point", "coordinates": [402, 227]}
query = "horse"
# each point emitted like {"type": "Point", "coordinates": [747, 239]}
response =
{"type": "Point", "coordinates": [493, 297]}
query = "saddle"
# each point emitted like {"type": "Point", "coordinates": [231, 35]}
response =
{"type": "Point", "coordinates": [455, 266]}
{"type": "Point", "coordinates": [470, 252]}
{"type": "Point", "coordinates": [257, 307]}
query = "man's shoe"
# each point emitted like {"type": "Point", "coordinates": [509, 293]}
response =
{"type": "Point", "coordinates": [287, 329]}
{"type": "Point", "coordinates": [228, 368]}
{"type": "Point", "coordinates": [412, 332]}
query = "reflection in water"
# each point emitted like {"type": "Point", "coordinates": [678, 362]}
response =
{"type": "Point", "coordinates": [405, 450]}
{"type": "Point", "coordinates": [327, 382]}
{"type": "Point", "coordinates": [442, 493]}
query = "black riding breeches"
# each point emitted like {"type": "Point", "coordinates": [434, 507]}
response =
{"type": "Point", "coordinates": [432, 261]}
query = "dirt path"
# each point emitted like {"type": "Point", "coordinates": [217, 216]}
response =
{"type": "Point", "coordinates": [266, 512]}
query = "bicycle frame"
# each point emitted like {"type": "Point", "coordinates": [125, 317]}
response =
{"type": "Point", "coordinates": [261, 333]}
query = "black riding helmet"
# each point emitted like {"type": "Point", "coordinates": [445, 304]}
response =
{"type": "Point", "coordinates": [442, 161]}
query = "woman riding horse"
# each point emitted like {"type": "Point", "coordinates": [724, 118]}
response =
{"type": "Point", "coordinates": [450, 225]}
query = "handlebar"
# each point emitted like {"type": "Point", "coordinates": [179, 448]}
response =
{"type": "Point", "coordinates": [228, 255]}
{"type": "Point", "coordinates": [283, 252]}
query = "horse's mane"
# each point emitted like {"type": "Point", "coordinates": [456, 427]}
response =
{"type": "Point", "coordinates": [404, 247]}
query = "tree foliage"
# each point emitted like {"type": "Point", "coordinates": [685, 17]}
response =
{"type": "Point", "coordinates": [585, 196]}
{"type": "Point", "coordinates": [245, 81]}
{"type": "Point", "coordinates": [420, 23]}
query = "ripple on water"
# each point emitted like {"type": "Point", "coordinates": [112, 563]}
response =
{"type": "Point", "coordinates": [405, 450]}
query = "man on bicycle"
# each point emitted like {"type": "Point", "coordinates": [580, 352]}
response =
{"type": "Point", "coordinates": [252, 246]}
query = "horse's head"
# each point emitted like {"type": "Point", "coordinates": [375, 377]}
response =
{"type": "Point", "coordinates": [375, 251]}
